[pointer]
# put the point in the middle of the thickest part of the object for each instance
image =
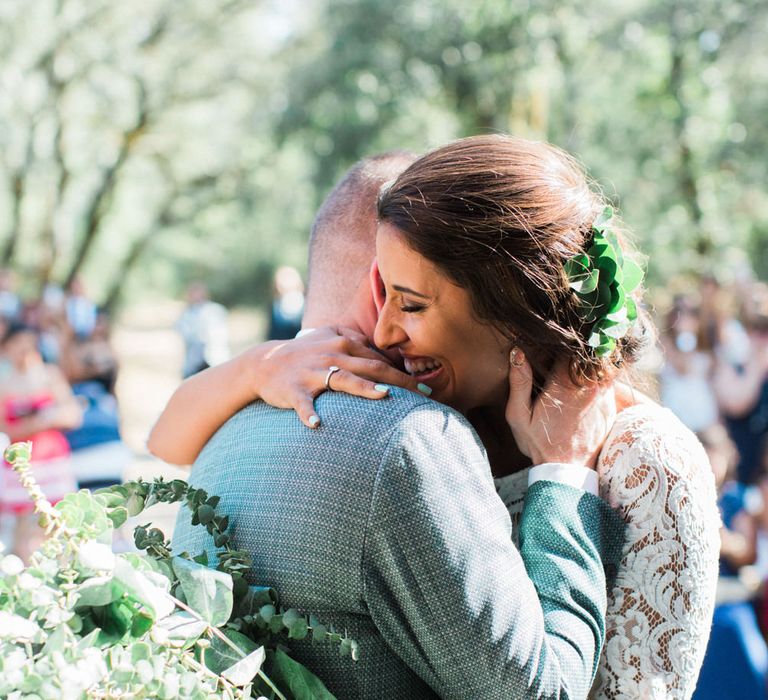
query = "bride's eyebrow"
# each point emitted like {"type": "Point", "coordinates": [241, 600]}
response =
{"type": "Point", "coordinates": [407, 290]}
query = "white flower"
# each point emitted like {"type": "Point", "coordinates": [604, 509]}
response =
{"type": "Point", "coordinates": [11, 565]}
{"type": "Point", "coordinates": [96, 556]}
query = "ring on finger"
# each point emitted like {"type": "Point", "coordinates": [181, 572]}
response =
{"type": "Point", "coordinates": [516, 358]}
{"type": "Point", "coordinates": [331, 370]}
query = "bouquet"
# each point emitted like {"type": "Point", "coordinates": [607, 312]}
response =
{"type": "Point", "coordinates": [82, 622]}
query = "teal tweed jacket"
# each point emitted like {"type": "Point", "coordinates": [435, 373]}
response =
{"type": "Point", "coordinates": [385, 523]}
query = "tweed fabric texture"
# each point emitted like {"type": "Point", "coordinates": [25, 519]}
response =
{"type": "Point", "coordinates": [385, 523]}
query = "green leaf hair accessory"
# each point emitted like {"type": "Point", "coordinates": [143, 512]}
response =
{"type": "Point", "coordinates": [603, 280]}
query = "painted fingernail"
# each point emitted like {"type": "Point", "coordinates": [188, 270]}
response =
{"type": "Point", "coordinates": [314, 421]}
{"type": "Point", "coordinates": [424, 389]}
{"type": "Point", "coordinates": [381, 388]}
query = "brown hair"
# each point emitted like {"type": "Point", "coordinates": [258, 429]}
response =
{"type": "Point", "coordinates": [501, 216]}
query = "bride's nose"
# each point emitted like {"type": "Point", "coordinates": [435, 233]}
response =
{"type": "Point", "coordinates": [388, 332]}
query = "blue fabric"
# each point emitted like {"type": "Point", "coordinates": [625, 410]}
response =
{"type": "Point", "coordinates": [385, 523]}
{"type": "Point", "coordinates": [736, 663]}
{"type": "Point", "coordinates": [101, 422]}
{"type": "Point", "coordinates": [732, 501]}
{"type": "Point", "coordinates": [749, 434]}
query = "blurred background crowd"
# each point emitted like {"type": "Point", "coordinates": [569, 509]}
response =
{"type": "Point", "coordinates": [161, 162]}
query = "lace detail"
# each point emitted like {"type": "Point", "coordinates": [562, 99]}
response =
{"type": "Point", "coordinates": [656, 474]}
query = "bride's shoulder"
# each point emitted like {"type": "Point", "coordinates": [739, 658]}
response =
{"type": "Point", "coordinates": [648, 435]}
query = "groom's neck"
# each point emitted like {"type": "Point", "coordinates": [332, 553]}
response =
{"type": "Point", "coordinates": [360, 315]}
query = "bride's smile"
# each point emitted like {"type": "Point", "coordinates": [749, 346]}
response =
{"type": "Point", "coordinates": [429, 320]}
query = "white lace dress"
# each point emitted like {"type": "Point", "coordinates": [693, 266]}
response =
{"type": "Point", "coordinates": [656, 474]}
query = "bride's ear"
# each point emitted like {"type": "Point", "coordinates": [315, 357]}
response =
{"type": "Point", "coordinates": [377, 286]}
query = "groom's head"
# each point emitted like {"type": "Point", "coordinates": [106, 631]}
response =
{"type": "Point", "coordinates": [343, 244]}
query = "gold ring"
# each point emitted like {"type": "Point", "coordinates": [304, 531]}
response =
{"type": "Point", "coordinates": [331, 370]}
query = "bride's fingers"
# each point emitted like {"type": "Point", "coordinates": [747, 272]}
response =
{"type": "Point", "coordinates": [520, 388]}
{"type": "Point", "coordinates": [381, 372]}
{"type": "Point", "coordinates": [349, 383]}
{"type": "Point", "coordinates": [304, 405]}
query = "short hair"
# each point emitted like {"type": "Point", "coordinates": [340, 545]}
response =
{"type": "Point", "coordinates": [343, 234]}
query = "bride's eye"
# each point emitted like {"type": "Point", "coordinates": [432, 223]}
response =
{"type": "Point", "coordinates": [412, 308]}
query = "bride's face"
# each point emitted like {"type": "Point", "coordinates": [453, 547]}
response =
{"type": "Point", "coordinates": [429, 320]}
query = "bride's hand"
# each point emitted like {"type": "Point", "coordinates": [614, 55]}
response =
{"type": "Point", "coordinates": [566, 423]}
{"type": "Point", "coordinates": [292, 373]}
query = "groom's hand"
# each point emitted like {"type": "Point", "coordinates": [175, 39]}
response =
{"type": "Point", "coordinates": [566, 423]}
{"type": "Point", "coordinates": [295, 372]}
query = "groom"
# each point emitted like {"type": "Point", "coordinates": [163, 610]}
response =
{"type": "Point", "coordinates": [385, 523]}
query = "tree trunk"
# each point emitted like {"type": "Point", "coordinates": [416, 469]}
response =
{"type": "Point", "coordinates": [96, 209]}
{"type": "Point", "coordinates": [686, 176]}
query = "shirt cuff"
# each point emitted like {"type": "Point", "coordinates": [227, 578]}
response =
{"type": "Point", "coordinates": [579, 477]}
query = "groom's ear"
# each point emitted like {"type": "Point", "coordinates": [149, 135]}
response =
{"type": "Point", "coordinates": [377, 286]}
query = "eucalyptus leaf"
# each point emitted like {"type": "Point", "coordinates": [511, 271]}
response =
{"type": "Point", "coordinates": [613, 239]}
{"type": "Point", "coordinates": [607, 346]}
{"type": "Point", "coordinates": [57, 640]}
{"type": "Point", "coordinates": [134, 505]}
{"type": "Point", "coordinates": [618, 316]}
{"type": "Point", "coordinates": [208, 592]}
{"type": "Point", "coordinates": [140, 650]}
{"type": "Point", "coordinates": [605, 216]}
{"type": "Point", "coordinates": [220, 656]}
{"type": "Point", "coordinates": [577, 267]}
{"type": "Point", "coordinates": [608, 265]}
{"type": "Point", "coordinates": [144, 591]}
{"type": "Point", "coordinates": [118, 516]}
{"type": "Point", "coordinates": [633, 275]}
{"type": "Point", "coordinates": [616, 330]}
{"type": "Point", "coordinates": [617, 301]}
{"type": "Point", "coordinates": [255, 598]}
{"type": "Point", "coordinates": [245, 670]}
{"type": "Point", "coordinates": [109, 498]}
{"type": "Point", "coordinates": [631, 309]}
{"type": "Point", "coordinates": [302, 683]}
{"type": "Point", "coordinates": [597, 249]}
{"type": "Point", "coordinates": [590, 283]}
{"type": "Point", "coordinates": [99, 590]}
{"type": "Point", "coordinates": [181, 627]}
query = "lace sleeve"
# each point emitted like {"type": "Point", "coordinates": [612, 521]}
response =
{"type": "Point", "coordinates": [657, 475]}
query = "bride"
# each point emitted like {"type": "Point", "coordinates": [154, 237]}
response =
{"type": "Point", "coordinates": [494, 250]}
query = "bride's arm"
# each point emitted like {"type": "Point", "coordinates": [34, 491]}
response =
{"type": "Point", "coordinates": [656, 474]}
{"type": "Point", "coordinates": [284, 373]}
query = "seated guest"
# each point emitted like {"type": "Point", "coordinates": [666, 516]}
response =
{"type": "Point", "coordinates": [36, 404]}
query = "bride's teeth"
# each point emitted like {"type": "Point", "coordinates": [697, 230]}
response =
{"type": "Point", "coordinates": [421, 366]}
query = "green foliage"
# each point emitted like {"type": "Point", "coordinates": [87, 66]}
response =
{"type": "Point", "coordinates": [80, 621]}
{"type": "Point", "coordinates": [293, 676]}
{"type": "Point", "coordinates": [604, 280]}
{"type": "Point", "coordinates": [230, 133]}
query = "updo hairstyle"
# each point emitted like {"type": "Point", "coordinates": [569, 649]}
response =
{"type": "Point", "coordinates": [501, 216]}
